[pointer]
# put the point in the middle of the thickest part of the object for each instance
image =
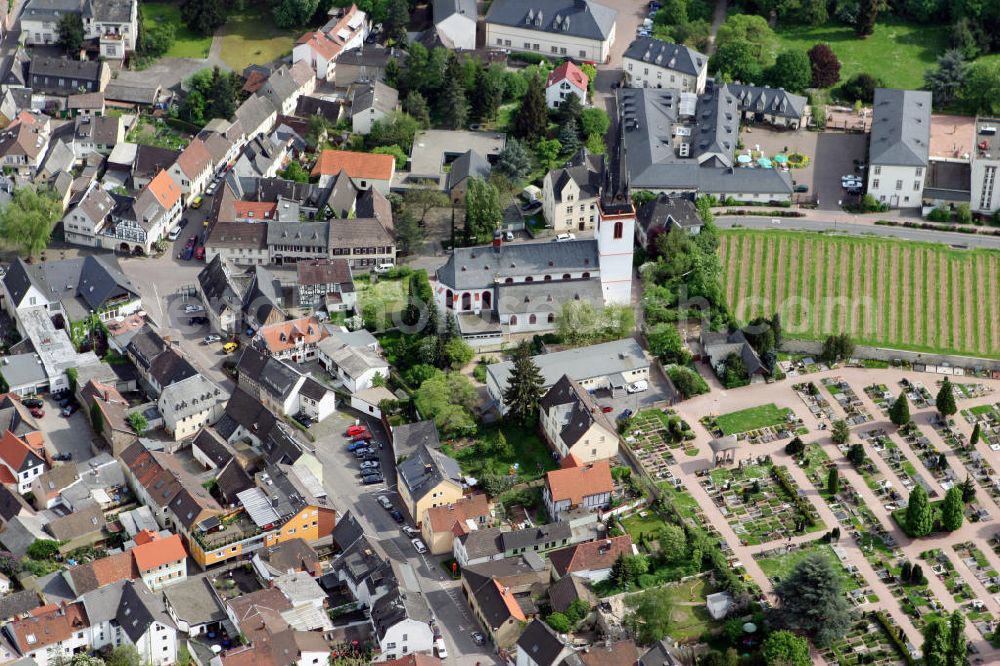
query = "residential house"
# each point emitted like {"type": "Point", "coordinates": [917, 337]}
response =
{"type": "Point", "coordinates": [575, 425]}
{"type": "Point", "coordinates": [97, 134]}
{"type": "Point", "coordinates": [899, 146]}
{"type": "Point", "coordinates": [478, 547]}
{"type": "Point", "coordinates": [25, 142]}
{"type": "Point", "coordinates": [590, 560]}
{"type": "Point", "coordinates": [401, 620]}
{"type": "Point", "coordinates": [113, 24]}
{"type": "Point", "coordinates": [367, 240]}
{"type": "Point", "coordinates": [366, 170]}
{"type": "Point", "coordinates": [151, 215]}
{"type": "Point", "coordinates": [984, 195]}
{"type": "Point", "coordinates": [455, 23]}
{"type": "Point", "coordinates": [256, 116]}
{"type": "Point", "coordinates": [62, 77]}
{"type": "Point", "coordinates": [239, 243]}
{"type": "Point", "coordinates": [112, 409]}
{"type": "Point", "coordinates": [585, 487]}
{"type": "Point", "coordinates": [774, 106]}
{"type": "Point", "coordinates": [370, 400]}
{"type": "Point", "coordinates": [466, 166]}
{"type": "Point", "coordinates": [19, 463]}
{"type": "Point", "coordinates": [365, 63]}
{"type": "Point", "coordinates": [409, 438]}
{"type": "Point", "coordinates": [189, 405]}
{"type": "Point", "coordinates": [286, 84]}
{"type": "Point", "coordinates": [565, 80]}
{"type": "Point", "coordinates": [570, 193]}
{"type": "Point", "coordinates": [50, 634]}
{"type": "Point", "coordinates": [440, 525]}
{"type": "Point", "coordinates": [717, 347]}
{"type": "Point", "coordinates": [663, 214]}
{"type": "Point", "coordinates": [145, 624]}
{"type": "Point", "coordinates": [80, 529]}
{"type": "Point", "coordinates": [321, 48]}
{"type": "Point", "coordinates": [283, 389]}
{"type": "Point", "coordinates": [221, 290]}
{"type": "Point", "coordinates": [568, 589]}
{"type": "Point", "coordinates": [428, 478]}
{"type": "Point", "coordinates": [535, 539]}
{"type": "Point", "coordinates": [330, 110]}
{"type": "Point", "coordinates": [161, 561]}
{"type": "Point", "coordinates": [193, 607]}
{"type": "Point", "coordinates": [193, 170]}
{"type": "Point", "coordinates": [355, 367]}
{"type": "Point", "coordinates": [326, 283]}
{"type": "Point", "coordinates": [296, 339]}
{"type": "Point", "coordinates": [539, 645]}
{"type": "Point", "coordinates": [654, 63]}
{"type": "Point", "coordinates": [370, 103]}
{"type": "Point", "coordinates": [500, 595]}
{"type": "Point", "coordinates": [316, 401]}
{"type": "Point", "coordinates": [580, 29]}
{"type": "Point", "coordinates": [290, 556]}
{"type": "Point", "coordinates": [159, 365]}
{"type": "Point", "coordinates": [498, 612]}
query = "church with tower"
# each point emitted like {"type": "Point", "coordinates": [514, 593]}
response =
{"type": "Point", "coordinates": [497, 290]}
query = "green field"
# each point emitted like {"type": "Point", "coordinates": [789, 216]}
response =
{"type": "Point", "coordinates": [187, 44]}
{"type": "Point", "coordinates": [253, 38]}
{"type": "Point", "coordinates": [753, 418]}
{"type": "Point", "coordinates": [917, 296]}
{"type": "Point", "coordinates": [898, 52]}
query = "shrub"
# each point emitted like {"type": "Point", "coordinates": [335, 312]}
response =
{"type": "Point", "coordinates": [939, 214]}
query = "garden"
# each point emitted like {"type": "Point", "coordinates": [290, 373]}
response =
{"type": "Point", "coordinates": [761, 502]}
{"type": "Point", "coordinates": [187, 43]}
{"type": "Point", "coordinates": [155, 132]}
{"type": "Point", "coordinates": [779, 562]}
{"type": "Point", "coordinates": [520, 454]}
{"type": "Point", "coordinates": [248, 38]}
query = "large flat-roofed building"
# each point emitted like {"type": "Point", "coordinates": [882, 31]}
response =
{"type": "Point", "coordinates": [985, 166]}
{"type": "Point", "coordinates": [610, 365]}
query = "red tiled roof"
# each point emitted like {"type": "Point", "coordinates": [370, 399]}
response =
{"type": "Point", "coordinates": [164, 189]}
{"type": "Point", "coordinates": [571, 73]}
{"type": "Point", "coordinates": [308, 330]}
{"type": "Point", "coordinates": [448, 517]}
{"type": "Point", "coordinates": [49, 628]}
{"type": "Point", "coordinates": [157, 552]}
{"type": "Point", "coordinates": [14, 450]}
{"type": "Point", "coordinates": [355, 165]}
{"type": "Point", "coordinates": [254, 82]}
{"type": "Point", "coordinates": [575, 483]}
{"type": "Point", "coordinates": [510, 602]}
{"type": "Point", "coordinates": [258, 210]}
{"type": "Point", "coordinates": [598, 554]}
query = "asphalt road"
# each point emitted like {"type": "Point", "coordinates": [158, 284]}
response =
{"type": "Point", "coordinates": [902, 233]}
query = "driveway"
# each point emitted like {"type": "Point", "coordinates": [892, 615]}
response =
{"type": "Point", "coordinates": [630, 15]}
{"type": "Point", "coordinates": [658, 392]}
{"type": "Point", "coordinates": [64, 434]}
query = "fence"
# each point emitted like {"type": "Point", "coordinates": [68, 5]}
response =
{"type": "Point", "coordinates": [891, 355]}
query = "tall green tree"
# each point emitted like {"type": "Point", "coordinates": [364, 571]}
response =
{"type": "Point", "coordinates": [649, 614]}
{"type": "Point", "coordinates": [569, 109]}
{"type": "Point", "coordinates": [416, 106]}
{"type": "Point", "coordinates": [569, 137]}
{"type": "Point", "coordinates": [396, 20]}
{"type": "Point", "coordinates": [514, 161]}
{"type": "Point", "coordinates": [487, 93]}
{"type": "Point", "coordinates": [946, 399]}
{"type": "Point", "coordinates": [203, 16]}
{"type": "Point", "coordinates": [899, 413]}
{"type": "Point", "coordinates": [840, 432]}
{"type": "Point", "coordinates": [952, 509]}
{"type": "Point", "coordinates": [532, 120]}
{"type": "Point", "coordinates": [124, 655]}
{"type": "Point", "coordinates": [975, 436]}
{"type": "Point", "coordinates": [755, 31]}
{"type": "Point", "coordinates": [737, 60]}
{"type": "Point", "coordinates": [783, 648]}
{"type": "Point", "coordinates": [919, 521]}
{"type": "Point", "coordinates": [824, 65]}
{"type": "Point", "coordinates": [981, 92]}
{"type": "Point", "coordinates": [791, 70]}
{"type": "Point", "coordinates": [867, 15]}
{"type": "Point", "coordinates": [524, 389]}
{"type": "Point", "coordinates": [70, 31]}
{"type": "Point", "coordinates": [813, 601]}
{"type": "Point", "coordinates": [956, 639]}
{"type": "Point", "coordinates": [833, 481]}
{"type": "Point", "coordinates": [947, 79]}
{"type": "Point", "coordinates": [222, 97]}
{"type": "Point", "coordinates": [935, 647]}
{"type": "Point", "coordinates": [293, 13]}
{"type": "Point", "coordinates": [483, 213]}
{"type": "Point", "coordinates": [26, 222]}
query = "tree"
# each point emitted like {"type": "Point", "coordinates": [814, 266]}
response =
{"type": "Point", "coordinates": [514, 161]}
{"type": "Point", "coordinates": [737, 60]}
{"type": "Point", "coordinates": [795, 447]}
{"type": "Point", "coordinates": [837, 347]}
{"type": "Point", "coordinates": [947, 80]}
{"type": "Point", "coordinates": [975, 436]}
{"type": "Point", "coordinates": [96, 417]}
{"type": "Point", "coordinates": [833, 481]}
{"type": "Point", "coordinates": [840, 432]}
{"type": "Point", "coordinates": [203, 16]}
{"type": "Point", "coordinates": [70, 30]}
{"type": "Point", "coordinates": [524, 389]}
{"type": "Point", "coordinates": [673, 543]}
{"type": "Point", "coordinates": [416, 106]}
{"type": "Point", "coordinates": [456, 353]}
{"type": "Point", "coordinates": [952, 509]}
{"type": "Point", "coordinates": [421, 200]}
{"type": "Point", "coordinates": [792, 70]}
{"type": "Point", "coordinates": [156, 39]}
{"type": "Point", "coordinates": [532, 119]}
{"type": "Point", "coordinates": [981, 92]}
{"type": "Point", "coordinates": [453, 105]}
{"type": "Point", "coordinates": [594, 121]}
{"type": "Point", "coordinates": [856, 455]}
{"type": "Point", "coordinates": [296, 172]}
{"type": "Point", "coordinates": [409, 234]}
{"type": "Point", "coordinates": [899, 413]}
{"type": "Point", "coordinates": [812, 600]}
{"type": "Point", "coordinates": [486, 94]}
{"type": "Point", "coordinates": [753, 30]}
{"type": "Point", "coordinates": [935, 647]}
{"type": "Point", "coordinates": [946, 399]}
{"type": "Point", "coordinates": [569, 137]}
{"type": "Point", "coordinates": [665, 341]}
{"type": "Point", "coordinates": [627, 568]}
{"type": "Point", "coordinates": [548, 152]}
{"type": "Point", "coordinates": [123, 655]}
{"type": "Point", "coordinates": [399, 157]}
{"type": "Point", "coordinates": [715, 658]}
{"type": "Point", "coordinates": [27, 220]}
{"type": "Point", "coordinates": [919, 521]}
{"type": "Point", "coordinates": [735, 373]}
{"type": "Point", "coordinates": [42, 549]}
{"type": "Point", "coordinates": [867, 14]}
{"type": "Point", "coordinates": [397, 129]}
{"type": "Point", "coordinates": [649, 614]}
{"type": "Point", "coordinates": [860, 87]}
{"type": "Point", "coordinates": [783, 648]}
{"type": "Point", "coordinates": [483, 214]}
{"type": "Point", "coordinates": [963, 214]}
{"type": "Point", "coordinates": [396, 20]}
{"type": "Point", "coordinates": [317, 130]}
{"type": "Point", "coordinates": [222, 95]}
{"type": "Point", "coordinates": [824, 66]}
{"type": "Point", "coordinates": [956, 639]}
{"type": "Point", "coordinates": [448, 398]}
{"type": "Point", "coordinates": [293, 13]}
{"type": "Point", "coordinates": [569, 109]}
{"type": "Point", "coordinates": [559, 623]}
{"type": "Point", "coordinates": [138, 423]}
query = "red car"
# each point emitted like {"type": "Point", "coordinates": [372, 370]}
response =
{"type": "Point", "coordinates": [607, 409]}
{"type": "Point", "coordinates": [362, 437]}
{"type": "Point", "coordinates": [199, 253]}
{"type": "Point", "coordinates": [37, 412]}
{"type": "Point", "coordinates": [355, 430]}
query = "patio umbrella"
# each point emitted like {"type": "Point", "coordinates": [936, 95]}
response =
{"type": "Point", "coordinates": [743, 159]}
{"type": "Point", "coordinates": [764, 162]}
{"type": "Point", "coordinates": [781, 159]}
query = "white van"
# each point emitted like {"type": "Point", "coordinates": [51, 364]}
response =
{"type": "Point", "coordinates": [384, 268]}
{"type": "Point", "coordinates": [174, 234]}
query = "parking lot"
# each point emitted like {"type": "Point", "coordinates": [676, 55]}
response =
{"type": "Point", "coordinates": [831, 155]}
{"type": "Point", "coordinates": [65, 434]}
{"type": "Point", "coordinates": [658, 393]}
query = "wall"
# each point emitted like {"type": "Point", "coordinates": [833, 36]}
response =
{"type": "Point", "coordinates": [641, 74]}
{"type": "Point", "coordinates": [885, 354]}
{"type": "Point", "coordinates": [515, 39]}
{"type": "Point", "coordinates": [886, 191]}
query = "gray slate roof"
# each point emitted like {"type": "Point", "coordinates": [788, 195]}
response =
{"type": "Point", "coordinates": [478, 267]}
{"type": "Point", "coordinates": [445, 8]}
{"type": "Point", "coordinates": [585, 169]}
{"type": "Point", "coordinates": [665, 211]}
{"type": "Point", "coordinates": [409, 437]}
{"type": "Point", "coordinates": [540, 643]}
{"type": "Point", "coordinates": [580, 363]}
{"type": "Point", "coordinates": [901, 128]}
{"type": "Point", "coordinates": [16, 603]}
{"type": "Point", "coordinates": [576, 408]}
{"type": "Point", "coordinates": [772, 101]}
{"type": "Point", "coordinates": [536, 297]}
{"type": "Point", "coordinates": [376, 95]}
{"type": "Point", "coordinates": [529, 537]}
{"type": "Point", "coordinates": [677, 57]}
{"type": "Point", "coordinates": [425, 469]}
{"type": "Point", "coordinates": [574, 18]}
{"type": "Point", "coordinates": [468, 165]}
{"type": "Point", "coordinates": [138, 609]}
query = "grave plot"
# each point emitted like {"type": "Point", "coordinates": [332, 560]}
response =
{"type": "Point", "coordinates": [867, 642]}
{"type": "Point", "coordinates": [873, 477]}
{"type": "Point", "coordinates": [975, 463]}
{"type": "Point", "coordinates": [980, 567]}
{"type": "Point", "coordinates": [917, 393]}
{"type": "Point", "coordinates": [964, 391]}
{"type": "Point", "coordinates": [881, 396]}
{"type": "Point", "coordinates": [848, 400]}
{"type": "Point", "coordinates": [818, 406]}
{"type": "Point", "coordinates": [907, 581]}
{"type": "Point", "coordinates": [761, 502]}
{"type": "Point", "coordinates": [654, 436]}
{"type": "Point", "coordinates": [935, 462]}
{"type": "Point", "coordinates": [941, 565]}
{"type": "Point", "coordinates": [897, 462]}
{"type": "Point", "coordinates": [757, 425]}
{"type": "Point", "coordinates": [988, 418]}
{"type": "Point", "coordinates": [798, 366]}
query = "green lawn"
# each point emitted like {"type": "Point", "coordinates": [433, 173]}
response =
{"type": "Point", "coordinates": [253, 38]}
{"type": "Point", "coordinates": [187, 44]}
{"type": "Point", "coordinates": [386, 296]}
{"type": "Point", "coordinates": [898, 52]}
{"type": "Point", "coordinates": [689, 615]}
{"type": "Point", "coordinates": [637, 525]}
{"type": "Point", "coordinates": [752, 419]}
{"type": "Point", "coordinates": [528, 452]}
{"type": "Point", "coordinates": [781, 565]}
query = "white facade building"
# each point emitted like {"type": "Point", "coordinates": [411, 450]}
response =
{"type": "Point", "coordinates": [579, 29]}
{"type": "Point", "coordinates": [986, 167]}
{"type": "Point", "coordinates": [899, 147]}
{"type": "Point", "coordinates": [652, 63]}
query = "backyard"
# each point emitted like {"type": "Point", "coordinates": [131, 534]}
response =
{"type": "Point", "coordinates": [904, 295]}
{"type": "Point", "coordinates": [248, 38]}
{"type": "Point", "coordinates": [187, 44]}
{"type": "Point", "coordinates": [525, 451]}
{"type": "Point", "coordinates": [381, 300]}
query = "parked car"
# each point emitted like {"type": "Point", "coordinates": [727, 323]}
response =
{"type": "Point", "coordinates": [355, 430]}
{"type": "Point", "coordinates": [184, 222]}
{"type": "Point", "coordinates": [63, 456]}
{"type": "Point", "coordinates": [607, 409]}
{"type": "Point", "coordinates": [508, 236]}
{"type": "Point", "coordinates": [32, 402]}
{"type": "Point", "coordinates": [197, 202]}
{"type": "Point", "coordinates": [191, 242]}
{"type": "Point", "coordinates": [174, 234]}
{"type": "Point", "coordinates": [230, 347]}
{"type": "Point", "coordinates": [369, 464]}
{"type": "Point", "coordinates": [565, 237]}
{"type": "Point", "coordinates": [478, 638]}
{"type": "Point", "coordinates": [191, 308]}
{"type": "Point", "coordinates": [396, 515]}
{"type": "Point", "coordinates": [210, 339]}
{"type": "Point", "coordinates": [419, 546]}
{"type": "Point", "coordinates": [199, 253]}
{"type": "Point", "coordinates": [384, 502]}
{"type": "Point", "coordinates": [411, 532]}
{"type": "Point", "coordinates": [357, 444]}
{"type": "Point", "coordinates": [363, 451]}
{"type": "Point", "coordinates": [365, 436]}
{"type": "Point", "coordinates": [370, 479]}
{"type": "Point", "coordinates": [70, 409]}
{"type": "Point", "coordinates": [439, 649]}
{"type": "Point", "coordinates": [197, 321]}
{"type": "Point", "coordinates": [801, 189]}
{"type": "Point", "coordinates": [186, 253]}
{"type": "Point", "coordinates": [37, 412]}
{"type": "Point", "coordinates": [627, 413]}
{"type": "Point", "coordinates": [637, 387]}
